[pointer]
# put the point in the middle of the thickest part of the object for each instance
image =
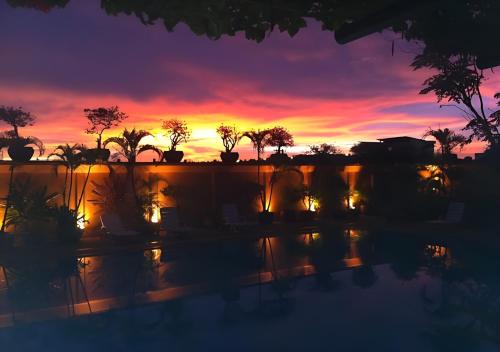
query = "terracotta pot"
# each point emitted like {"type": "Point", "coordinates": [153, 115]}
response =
{"type": "Point", "coordinates": [20, 153]}
{"type": "Point", "coordinates": [96, 154]}
{"type": "Point", "coordinates": [279, 159]}
{"type": "Point", "coordinates": [266, 217]}
{"type": "Point", "coordinates": [173, 156]}
{"type": "Point", "coordinates": [229, 157]}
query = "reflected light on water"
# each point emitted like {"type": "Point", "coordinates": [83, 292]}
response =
{"type": "Point", "coordinates": [311, 237]}
{"type": "Point", "coordinates": [154, 255]}
{"type": "Point", "coordinates": [437, 251]}
{"type": "Point", "coordinates": [353, 234]}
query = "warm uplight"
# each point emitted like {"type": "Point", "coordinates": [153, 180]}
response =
{"type": "Point", "coordinates": [81, 222]}
{"type": "Point", "coordinates": [312, 202]}
{"type": "Point", "coordinates": [155, 216]}
{"type": "Point", "coordinates": [352, 200]}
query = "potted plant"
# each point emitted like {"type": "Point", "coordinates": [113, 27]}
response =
{"type": "Point", "coordinates": [100, 120]}
{"type": "Point", "coordinates": [280, 138]}
{"type": "Point", "coordinates": [178, 133]}
{"type": "Point", "coordinates": [296, 194]}
{"type": "Point", "coordinates": [230, 137]}
{"type": "Point", "coordinates": [29, 210]}
{"type": "Point", "coordinates": [19, 148]}
{"type": "Point", "coordinates": [129, 146]}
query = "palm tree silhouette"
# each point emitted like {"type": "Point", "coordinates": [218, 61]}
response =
{"type": "Point", "coordinates": [130, 144]}
{"type": "Point", "coordinates": [259, 140]}
{"type": "Point", "coordinates": [447, 139]}
{"type": "Point", "coordinates": [129, 147]}
{"type": "Point", "coordinates": [72, 156]}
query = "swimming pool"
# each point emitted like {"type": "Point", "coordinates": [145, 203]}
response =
{"type": "Point", "coordinates": [344, 289]}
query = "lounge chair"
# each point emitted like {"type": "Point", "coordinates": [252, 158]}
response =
{"type": "Point", "coordinates": [112, 225]}
{"type": "Point", "coordinates": [231, 217]}
{"type": "Point", "coordinates": [170, 220]}
{"type": "Point", "coordinates": [454, 214]}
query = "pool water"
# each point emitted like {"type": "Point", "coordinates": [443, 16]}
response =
{"type": "Point", "coordinates": [338, 290]}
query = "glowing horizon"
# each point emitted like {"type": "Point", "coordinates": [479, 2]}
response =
{"type": "Point", "coordinates": [320, 91]}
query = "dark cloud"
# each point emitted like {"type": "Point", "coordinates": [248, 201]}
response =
{"type": "Point", "coordinates": [421, 109]}
{"type": "Point", "coordinates": [81, 49]}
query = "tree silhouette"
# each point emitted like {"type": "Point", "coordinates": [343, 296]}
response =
{"type": "Point", "coordinates": [16, 117]}
{"type": "Point", "coordinates": [177, 131]}
{"type": "Point", "coordinates": [259, 142]}
{"type": "Point", "coordinates": [280, 138]}
{"type": "Point", "coordinates": [323, 149]}
{"type": "Point", "coordinates": [458, 82]}
{"type": "Point", "coordinates": [130, 147]}
{"type": "Point", "coordinates": [447, 139]}
{"type": "Point", "coordinates": [72, 156]}
{"type": "Point", "coordinates": [230, 136]}
{"type": "Point", "coordinates": [101, 119]}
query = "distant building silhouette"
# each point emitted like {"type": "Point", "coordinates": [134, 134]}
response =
{"type": "Point", "coordinates": [395, 149]}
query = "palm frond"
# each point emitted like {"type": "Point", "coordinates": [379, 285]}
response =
{"type": "Point", "coordinates": [151, 147]}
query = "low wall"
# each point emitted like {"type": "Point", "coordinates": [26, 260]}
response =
{"type": "Point", "coordinates": [204, 187]}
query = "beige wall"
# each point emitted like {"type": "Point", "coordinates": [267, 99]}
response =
{"type": "Point", "coordinates": [205, 187]}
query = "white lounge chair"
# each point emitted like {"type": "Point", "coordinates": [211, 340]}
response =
{"type": "Point", "coordinates": [112, 224]}
{"type": "Point", "coordinates": [170, 220]}
{"type": "Point", "coordinates": [454, 214]}
{"type": "Point", "coordinates": [231, 217]}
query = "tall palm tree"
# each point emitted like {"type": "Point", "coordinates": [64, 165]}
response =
{"type": "Point", "coordinates": [259, 141]}
{"type": "Point", "coordinates": [72, 156]}
{"type": "Point", "coordinates": [129, 147]}
{"type": "Point", "coordinates": [447, 139]}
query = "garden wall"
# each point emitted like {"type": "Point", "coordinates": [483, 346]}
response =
{"type": "Point", "coordinates": [199, 190]}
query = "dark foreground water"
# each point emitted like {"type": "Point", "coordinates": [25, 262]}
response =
{"type": "Point", "coordinates": [339, 290]}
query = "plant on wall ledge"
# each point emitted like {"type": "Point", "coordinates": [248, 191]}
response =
{"type": "Point", "coordinates": [280, 138]}
{"type": "Point", "coordinates": [129, 145]}
{"type": "Point", "coordinates": [19, 148]}
{"type": "Point", "coordinates": [100, 120]}
{"type": "Point", "coordinates": [178, 132]}
{"type": "Point", "coordinates": [230, 137]}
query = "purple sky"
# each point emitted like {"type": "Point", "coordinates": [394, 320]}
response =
{"type": "Point", "coordinates": [59, 63]}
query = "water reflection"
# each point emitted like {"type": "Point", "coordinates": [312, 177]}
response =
{"type": "Point", "coordinates": [255, 279]}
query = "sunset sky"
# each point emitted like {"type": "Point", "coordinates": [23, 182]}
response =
{"type": "Point", "coordinates": [59, 63]}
